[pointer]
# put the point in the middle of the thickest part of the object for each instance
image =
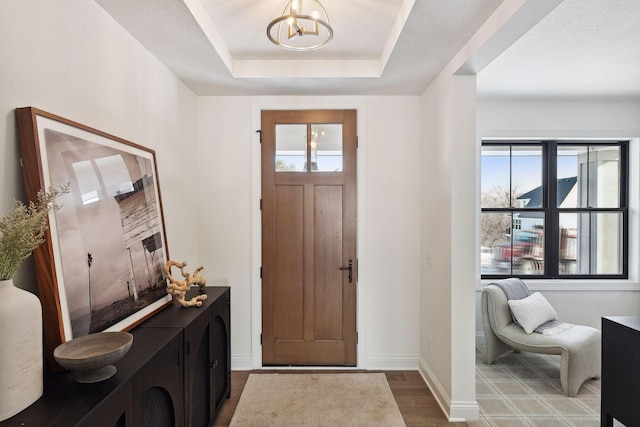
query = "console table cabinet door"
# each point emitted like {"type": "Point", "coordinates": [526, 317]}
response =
{"type": "Point", "coordinates": [158, 389]}
{"type": "Point", "coordinates": [620, 394]}
{"type": "Point", "coordinates": [198, 360]}
{"type": "Point", "coordinates": [221, 325]}
{"type": "Point", "coordinates": [117, 411]}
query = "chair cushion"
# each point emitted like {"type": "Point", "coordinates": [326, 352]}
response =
{"type": "Point", "coordinates": [532, 311]}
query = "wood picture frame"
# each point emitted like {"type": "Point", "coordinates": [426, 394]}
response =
{"type": "Point", "coordinates": [100, 267]}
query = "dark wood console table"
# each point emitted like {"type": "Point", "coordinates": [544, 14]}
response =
{"type": "Point", "coordinates": [620, 371]}
{"type": "Point", "coordinates": [177, 373]}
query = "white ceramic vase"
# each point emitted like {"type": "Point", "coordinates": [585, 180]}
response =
{"type": "Point", "coordinates": [21, 360]}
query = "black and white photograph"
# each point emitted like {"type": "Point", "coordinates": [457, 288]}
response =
{"type": "Point", "coordinates": [107, 238]}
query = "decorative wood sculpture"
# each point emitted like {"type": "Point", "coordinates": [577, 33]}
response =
{"type": "Point", "coordinates": [178, 288]}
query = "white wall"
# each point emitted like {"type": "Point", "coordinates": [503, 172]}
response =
{"type": "Point", "coordinates": [71, 59]}
{"type": "Point", "coordinates": [582, 302]}
{"type": "Point", "coordinates": [464, 239]}
{"type": "Point", "coordinates": [388, 218]}
{"type": "Point", "coordinates": [435, 298]}
{"type": "Point", "coordinates": [392, 227]}
{"type": "Point", "coordinates": [449, 218]}
{"type": "Point", "coordinates": [224, 180]}
{"type": "Point", "coordinates": [74, 60]}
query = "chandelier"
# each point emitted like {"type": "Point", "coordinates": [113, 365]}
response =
{"type": "Point", "coordinates": [304, 25]}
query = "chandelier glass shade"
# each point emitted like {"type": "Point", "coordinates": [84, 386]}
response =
{"type": "Point", "coordinates": [303, 25]}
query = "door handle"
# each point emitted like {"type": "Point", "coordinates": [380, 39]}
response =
{"type": "Point", "coordinates": [350, 268]}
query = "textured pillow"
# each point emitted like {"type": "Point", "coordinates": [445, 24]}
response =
{"type": "Point", "coordinates": [532, 311]}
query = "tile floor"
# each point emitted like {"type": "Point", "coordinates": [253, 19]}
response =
{"type": "Point", "coordinates": [523, 389]}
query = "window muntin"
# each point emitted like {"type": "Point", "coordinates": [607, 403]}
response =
{"type": "Point", "coordinates": [297, 152]}
{"type": "Point", "coordinates": [582, 234]}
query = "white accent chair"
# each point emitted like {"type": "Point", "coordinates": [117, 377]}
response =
{"type": "Point", "coordinates": [579, 347]}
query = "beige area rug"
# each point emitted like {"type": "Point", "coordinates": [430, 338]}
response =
{"type": "Point", "coordinates": [317, 400]}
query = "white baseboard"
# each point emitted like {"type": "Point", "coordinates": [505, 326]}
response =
{"type": "Point", "coordinates": [392, 363]}
{"type": "Point", "coordinates": [464, 412]}
{"type": "Point", "coordinates": [454, 411]}
{"type": "Point", "coordinates": [241, 362]}
{"type": "Point", "coordinates": [379, 362]}
{"type": "Point", "coordinates": [436, 388]}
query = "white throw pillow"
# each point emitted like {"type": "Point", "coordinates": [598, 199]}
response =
{"type": "Point", "coordinates": [532, 311]}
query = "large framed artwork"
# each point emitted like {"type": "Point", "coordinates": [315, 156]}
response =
{"type": "Point", "coordinates": [100, 268]}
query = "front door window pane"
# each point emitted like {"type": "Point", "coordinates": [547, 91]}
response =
{"type": "Point", "coordinates": [326, 147]}
{"type": "Point", "coordinates": [291, 148]}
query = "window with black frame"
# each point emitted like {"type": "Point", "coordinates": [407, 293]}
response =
{"type": "Point", "coordinates": [554, 209]}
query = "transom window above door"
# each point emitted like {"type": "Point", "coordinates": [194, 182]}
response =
{"type": "Point", "coordinates": [301, 145]}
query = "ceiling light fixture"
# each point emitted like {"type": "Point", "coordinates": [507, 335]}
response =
{"type": "Point", "coordinates": [301, 18]}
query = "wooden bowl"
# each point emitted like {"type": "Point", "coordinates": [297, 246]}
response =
{"type": "Point", "coordinates": [91, 356]}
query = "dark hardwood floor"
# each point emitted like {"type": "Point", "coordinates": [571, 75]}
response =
{"type": "Point", "coordinates": [417, 405]}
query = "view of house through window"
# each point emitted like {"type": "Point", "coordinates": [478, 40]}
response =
{"type": "Point", "coordinates": [553, 209]}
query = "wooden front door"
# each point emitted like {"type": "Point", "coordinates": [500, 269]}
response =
{"type": "Point", "coordinates": [309, 237]}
